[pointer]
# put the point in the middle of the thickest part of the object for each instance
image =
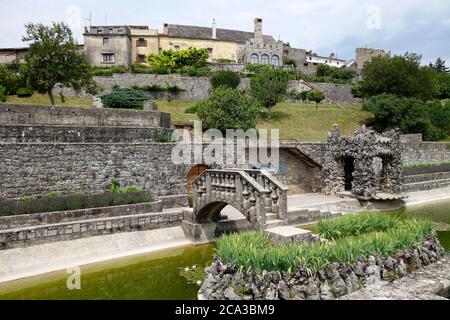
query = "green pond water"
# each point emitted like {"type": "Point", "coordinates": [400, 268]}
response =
{"type": "Point", "coordinates": [161, 275]}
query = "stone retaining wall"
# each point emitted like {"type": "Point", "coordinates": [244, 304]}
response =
{"type": "Point", "coordinates": [74, 116]}
{"type": "Point", "coordinates": [71, 134]}
{"type": "Point", "coordinates": [425, 152]}
{"type": "Point", "coordinates": [198, 88]}
{"type": "Point", "coordinates": [229, 282]}
{"type": "Point", "coordinates": [24, 237]}
{"type": "Point", "coordinates": [38, 168]}
{"type": "Point", "coordinates": [37, 219]}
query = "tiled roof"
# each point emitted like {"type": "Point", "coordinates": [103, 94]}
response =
{"type": "Point", "coordinates": [194, 32]}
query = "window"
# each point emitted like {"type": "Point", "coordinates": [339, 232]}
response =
{"type": "Point", "coordinates": [141, 58]}
{"type": "Point", "coordinates": [105, 41]}
{"type": "Point", "coordinates": [306, 64]}
{"type": "Point", "coordinates": [177, 47]}
{"type": "Point", "coordinates": [108, 57]}
{"type": "Point", "coordinates": [210, 51]}
{"type": "Point", "coordinates": [265, 59]}
{"type": "Point", "coordinates": [275, 60]}
{"type": "Point", "coordinates": [99, 31]}
{"type": "Point", "coordinates": [141, 42]}
{"type": "Point", "coordinates": [254, 58]}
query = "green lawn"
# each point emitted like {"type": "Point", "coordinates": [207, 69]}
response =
{"type": "Point", "coordinates": [296, 121]}
{"type": "Point", "coordinates": [44, 100]}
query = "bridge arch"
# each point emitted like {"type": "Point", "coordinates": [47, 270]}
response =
{"type": "Point", "coordinates": [252, 192]}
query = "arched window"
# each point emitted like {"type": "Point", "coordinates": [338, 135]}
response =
{"type": "Point", "coordinates": [254, 58]}
{"type": "Point", "coordinates": [275, 60]}
{"type": "Point", "coordinates": [265, 59]}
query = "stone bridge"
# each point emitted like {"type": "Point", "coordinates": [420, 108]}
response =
{"type": "Point", "coordinates": [256, 194]}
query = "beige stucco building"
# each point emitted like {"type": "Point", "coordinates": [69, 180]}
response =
{"type": "Point", "coordinates": [125, 45]}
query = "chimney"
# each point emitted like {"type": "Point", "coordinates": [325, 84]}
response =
{"type": "Point", "coordinates": [214, 29]}
{"type": "Point", "coordinates": [258, 31]}
{"type": "Point", "coordinates": [166, 28]}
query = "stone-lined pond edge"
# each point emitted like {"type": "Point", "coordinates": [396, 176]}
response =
{"type": "Point", "coordinates": [50, 257]}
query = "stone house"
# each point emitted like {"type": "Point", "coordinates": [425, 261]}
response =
{"type": "Point", "coordinates": [108, 46]}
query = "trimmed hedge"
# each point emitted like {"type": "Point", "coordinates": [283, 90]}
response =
{"type": "Point", "coordinates": [24, 92]}
{"type": "Point", "coordinates": [228, 79]}
{"type": "Point", "coordinates": [54, 202]}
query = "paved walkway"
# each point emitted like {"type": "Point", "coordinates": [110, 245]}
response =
{"type": "Point", "coordinates": [419, 197]}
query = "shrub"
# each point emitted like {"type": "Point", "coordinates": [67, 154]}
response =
{"type": "Point", "coordinates": [269, 86]}
{"type": "Point", "coordinates": [195, 71]}
{"type": "Point", "coordinates": [228, 79]}
{"type": "Point", "coordinates": [290, 62]}
{"type": "Point", "coordinates": [24, 92]}
{"type": "Point", "coordinates": [228, 108]}
{"type": "Point", "coordinates": [192, 109]}
{"type": "Point", "coordinates": [255, 251]}
{"type": "Point", "coordinates": [2, 94]}
{"type": "Point", "coordinates": [55, 202]}
{"type": "Point", "coordinates": [171, 60]}
{"type": "Point", "coordinates": [12, 78]}
{"type": "Point", "coordinates": [410, 115]}
{"type": "Point", "coordinates": [225, 61]}
{"type": "Point", "coordinates": [165, 138]}
{"type": "Point", "coordinates": [108, 71]}
{"type": "Point", "coordinates": [125, 98]}
{"type": "Point", "coordinates": [357, 89]}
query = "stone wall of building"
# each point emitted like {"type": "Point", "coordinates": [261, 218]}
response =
{"type": "Point", "coordinates": [73, 116]}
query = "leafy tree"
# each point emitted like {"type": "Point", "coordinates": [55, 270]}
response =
{"type": "Point", "coordinates": [324, 70]}
{"type": "Point", "coordinates": [12, 77]}
{"type": "Point", "coordinates": [54, 58]}
{"type": "Point", "coordinates": [228, 108]}
{"type": "Point", "coordinates": [172, 60]}
{"type": "Point", "coordinates": [357, 89]}
{"type": "Point", "coordinates": [269, 86]}
{"type": "Point", "coordinates": [125, 98]}
{"type": "Point", "coordinates": [316, 96]}
{"type": "Point", "coordinates": [399, 75]}
{"type": "Point", "coordinates": [439, 65]}
{"type": "Point", "coordinates": [332, 73]}
{"type": "Point", "coordinates": [225, 78]}
{"type": "Point", "coordinates": [410, 115]}
{"type": "Point", "coordinates": [2, 94]}
{"type": "Point", "coordinates": [441, 84]}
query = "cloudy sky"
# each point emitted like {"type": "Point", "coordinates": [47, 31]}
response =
{"type": "Point", "coordinates": [323, 26]}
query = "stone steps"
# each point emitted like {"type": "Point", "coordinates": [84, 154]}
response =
{"type": "Point", "coordinates": [426, 177]}
{"type": "Point", "coordinates": [271, 216]}
{"type": "Point", "coordinates": [275, 223]}
{"type": "Point", "coordinates": [303, 216]}
{"type": "Point", "coordinates": [426, 185]}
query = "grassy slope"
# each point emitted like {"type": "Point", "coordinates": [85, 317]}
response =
{"type": "Point", "coordinates": [43, 99]}
{"type": "Point", "coordinates": [296, 121]}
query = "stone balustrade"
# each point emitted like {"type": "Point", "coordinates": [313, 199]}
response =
{"type": "Point", "coordinates": [252, 192]}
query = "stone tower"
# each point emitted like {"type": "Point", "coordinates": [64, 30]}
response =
{"type": "Point", "coordinates": [259, 38]}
